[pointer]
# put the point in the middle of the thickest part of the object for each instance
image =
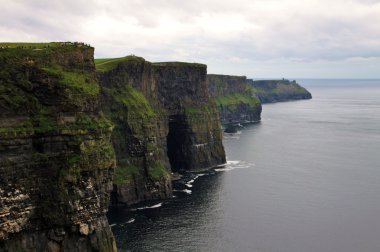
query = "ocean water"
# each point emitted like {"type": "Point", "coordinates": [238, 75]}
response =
{"type": "Point", "coordinates": [305, 179]}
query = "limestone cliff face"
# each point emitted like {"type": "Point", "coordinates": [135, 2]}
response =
{"type": "Point", "coordinates": [195, 137]}
{"type": "Point", "coordinates": [278, 90]}
{"type": "Point", "coordinates": [62, 136]}
{"type": "Point", "coordinates": [163, 121]}
{"type": "Point", "coordinates": [56, 160]}
{"type": "Point", "coordinates": [235, 99]}
{"type": "Point", "coordinates": [129, 98]}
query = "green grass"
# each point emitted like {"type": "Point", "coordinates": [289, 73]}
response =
{"type": "Point", "coordinates": [34, 45]}
{"type": "Point", "coordinates": [157, 170]}
{"type": "Point", "coordinates": [124, 175]}
{"type": "Point", "coordinates": [200, 108]}
{"type": "Point", "coordinates": [107, 64]}
{"type": "Point", "coordinates": [135, 102]}
{"type": "Point", "coordinates": [179, 64]}
{"type": "Point", "coordinates": [235, 99]}
{"type": "Point", "coordinates": [81, 81]}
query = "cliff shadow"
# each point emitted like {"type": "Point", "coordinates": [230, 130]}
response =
{"type": "Point", "coordinates": [178, 141]}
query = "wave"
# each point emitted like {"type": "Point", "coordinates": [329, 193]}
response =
{"type": "Point", "coordinates": [184, 190]}
{"type": "Point", "coordinates": [189, 183]}
{"type": "Point", "coordinates": [234, 164]}
{"type": "Point", "coordinates": [130, 221]}
{"type": "Point", "coordinates": [120, 224]}
{"type": "Point", "coordinates": [149, 207]}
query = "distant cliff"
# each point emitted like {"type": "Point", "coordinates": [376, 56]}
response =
{"type": "Point", "coordinates": [56, 158]}
{"type": "Point", "coordinates": [235, 99]}
{"type": "Point", "coordinates": [278, 90]}
{"type": "Point", "coordinates": [164, 121]}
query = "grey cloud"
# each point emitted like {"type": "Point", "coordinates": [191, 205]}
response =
{"type": "Point", "coordinates": [243, 31]}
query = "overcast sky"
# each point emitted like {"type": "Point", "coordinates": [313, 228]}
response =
{"type": "Point", "coordinates": [257, 38]}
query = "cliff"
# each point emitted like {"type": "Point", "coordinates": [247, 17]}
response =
{"type": "Point", "coordinates": [195, 136]}
{"type": "Point", "coordinates": [129, 99]}
{"type": "Point", "coordinates": [279, 90]}
{"type": "Point", "coordinates": [164, 121]}
{"type": "Point", "coordinates": [56, 159]}
{"type": "Point", "coordinates": [235, 99]}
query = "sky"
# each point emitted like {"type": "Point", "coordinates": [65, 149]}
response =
{"type": "Point", "coordinates": [255, 38]}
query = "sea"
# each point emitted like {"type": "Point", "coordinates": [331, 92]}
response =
{"type": "Point", "coordinates": [304, 179]}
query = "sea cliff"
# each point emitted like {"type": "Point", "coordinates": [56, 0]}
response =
{"type": "Point", "coordinates": [269, 91]}
{"type": "Point", "coordinates": [235, 99]}
{"type": "Point", "coordinates": [73, 136]}
{"type": "Point", "coordinates": [56, 158]}
{"type": "Point", "coordinates": [164, 121]}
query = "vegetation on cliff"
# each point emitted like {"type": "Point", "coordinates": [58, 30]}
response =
{"type": "Point", "coordinates": [107, 64]}
{"type": "Point", "coordinates": [141, 171]}
{"type": "Point", "coordinates": [179, 64]}
{"type": "Point", "coordinates": [133, 116]}
{"type": "Point", "coordinates": [235, 99]}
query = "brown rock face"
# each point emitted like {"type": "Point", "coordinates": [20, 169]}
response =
{"type": "Point", "coordinates": [56, 160]}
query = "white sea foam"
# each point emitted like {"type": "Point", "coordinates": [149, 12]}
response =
{"type": "Point", "coordinates": [234, 164]}
{"type": "Point", "coordinates": [185, 191]}
{"type": "Point", "coordinates": [112, 225]}
{"type": "Point", "coordinates": [189, 183]}
{"type": "Point", "coordinates": [130, 221]}
{"type": "Point", "coordinates": [149, 207]}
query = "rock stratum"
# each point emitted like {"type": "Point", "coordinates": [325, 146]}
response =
{"type": "Point", "coordinates": [71, 135]}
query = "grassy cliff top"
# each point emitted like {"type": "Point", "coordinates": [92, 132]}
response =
{"type": "Point", "coordinates": [236, 99]}
{"type": "Point", "coordinates": [29, 45]}
{"type": "Point", "coordinates": [107, 64]}
{"type": "Point", "coordinates": [178, 64]}
{"type": "Point", "coordinates": [226, 76]}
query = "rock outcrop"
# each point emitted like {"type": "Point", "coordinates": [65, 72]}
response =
{"type": "Point", "coordinates": [164, 121]}
{"type": "Point", "coordinates": [56, 158]}
{"type": "Point", "coordinates": [269, 91]}
{"type": "Point", "coordinates": [235, 99]}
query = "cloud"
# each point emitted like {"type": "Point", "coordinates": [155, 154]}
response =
{"type": "Point", "coordinates": [234, 32]}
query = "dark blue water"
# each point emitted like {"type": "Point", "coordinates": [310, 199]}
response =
{"type": "Point", "coordinates": [305, 179]}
